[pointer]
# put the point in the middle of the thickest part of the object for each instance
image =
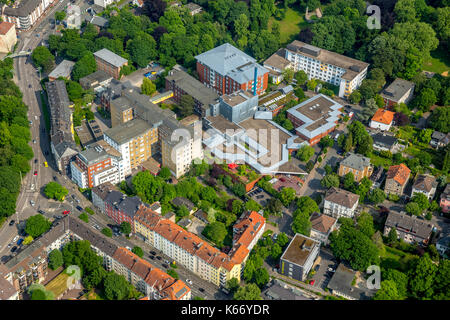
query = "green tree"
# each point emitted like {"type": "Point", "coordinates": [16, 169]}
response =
{"type": "Point", "coordinates": [301, 223]}
{"type": "Point", "coordinates": [307, 205]}
{"type": "Point", "coordinates": [376, 196]}
{"type": "Point", "coordinates": [142, 49]}
{"type": "Point", "coordinates": [275, 206]}
{"type": "Point", "coordinates": [216, 232]}
{"type": "Point", "coordinates": [37, 225]}
{"type": "Point", "coordinates": [116, 287]}
{"type": "Point", "coordinates": [74, 90]}
{"type": "Point", "coordinates": [125, 227]}
{"type": "Point", "coordinates": [147, 87]}
{"type": "Point", "coordinates": [392, 236]}
{"type": "Point", "coordinates": [60, 15]}
{"type": "Point", "coordinates": [276, 251]}
{"type": "Point", "coordinates": [355, 97]}
{"type": "Point", "coordinates": [413, 209]}
{"type": "Point", "coordinates": [186, 105]}
{"type": "Point", "coordinates": [440, 119]}
{"type": "Point", "coordinates": [182, 211]}
{"type": "Point", "coordinates": [83, 216]}
{"type": "Point", "coordinates": [232, 285]}
{"type": "Point", "coordinates": [388, 291]}
{"type": "Point", "coordinates": [261, 277]}
{"type": "Point", "coordinates": [365, 224]}
{"type": "Point", "coordinates": [421, 200]}
{"type": "Point", "coordinates": [138, 251]}
{"type": "Point", "coordinates": [400, 279]}
{"type": "Point", "coordinates": [349, 181]}
{"type": "Point", "coordinates": [425, 99]}
{"type": "Point", "coordinates": [301, 77]}
{"type": "Point", "coordinates": [55, 259]}
{"type": "Point", "coordinates": [248, 292]}
{"type": "Point", "coordinates": [288, 75]}
{"type": "Point", "coordinates": [107, 232]}
{"type": "Point", "coordinates": [421, 277]}
{"type": "Point", "coordinates": [43, 58]}
{"type": "Point", "coordinates": [287, 195]}
{"type": "Point", "coordinates": [330, 180]}
{"type": "Point", "coordinates": [165, 173]}
{"type": "Point", "coordinates": [305, 153]}
{"type": "Point", "coordinates": [287, 124]}
{"type": "Point", "coordinates": [54, 190]}
{"type": "Point", "coordinates": [282, 239]}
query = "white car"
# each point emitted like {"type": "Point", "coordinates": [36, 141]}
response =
{"type": "Point", "coordinates": [128, 248]}
{"type": "Point", "coordinates": [331, 270]}
{"type": "Point", "coordinates": [189, 281]}
{"type": "Point", "coordinates": [15, 238]}
{"type": "Point", "coordinates": [32, 202]}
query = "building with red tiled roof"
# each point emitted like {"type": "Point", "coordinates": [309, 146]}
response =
{"type": "Point", "coordinates": [382, 119]}
{"type": "Point", "coordinates": [321, 226]}
{"type": "Point", "coordinates": [248, 229]}
{"type": "Point", "coordinates": [151, 281]}
{"type": "Point", "coordinates": [8, 36]}
{"type": "Point", "coordinates": [396, 179]}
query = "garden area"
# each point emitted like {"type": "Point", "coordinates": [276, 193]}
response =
{"type": "Point", "coordinates": [438, 62]}
{"type": "Point", "coordinates": [291, 22]}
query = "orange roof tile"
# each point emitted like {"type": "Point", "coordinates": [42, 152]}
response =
{"type": "Point", "coordinates": [399, 173]}
{"type": "Point", "coordinates": [153, 276]}
{"type": "Point", "coordinates": [383, 116]}
{"type": "Point", "coordinates": [5, 27]}
{"type": "Point", "coordinates": [246, 229]}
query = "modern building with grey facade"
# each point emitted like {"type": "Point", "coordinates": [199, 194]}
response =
{"type": "Point", "coordinates": [299, 257]}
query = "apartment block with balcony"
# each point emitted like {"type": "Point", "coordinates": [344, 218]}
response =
{"type": "Point", "coordinates": [24, 14]}
{"type": "Point", "coordinates": [344, 72]}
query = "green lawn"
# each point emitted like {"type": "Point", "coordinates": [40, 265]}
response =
{"type": "Point", "coordinates": [290, 26]}
{"type": "Point", "coordinates": [438, 63]}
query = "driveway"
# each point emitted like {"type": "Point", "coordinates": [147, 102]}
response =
{"type": "Point", "coordinates": [322, 275]}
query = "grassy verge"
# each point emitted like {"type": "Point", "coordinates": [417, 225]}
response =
{"type": "Point", "coordinates": [439, 61]}
{"type": "Point", "coordinates": [290, 26]}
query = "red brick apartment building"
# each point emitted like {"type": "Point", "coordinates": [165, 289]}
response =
{"type": "Point", "coordinates": [109, 62]}
{"type": "Point", "coordinates": [227, 69]}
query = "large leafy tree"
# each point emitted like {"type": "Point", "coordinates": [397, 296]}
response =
{"type": "Point", "coordinates": [330, 180]}
{"type": "Point", "coordinates": [301, 223]}
{"type": "Point", "coordinates": [116, 287]}
{"type": "Point", "coordinates": [421, 277]}
{"type": "Point", "coordinates": [54, 190]}
{"type": "Point", "coordinates": [148, 87]}
{"type": "Point", "coordinates": [43, 58]}
{"type": "Point", "coordinates": [216, 232]}
{"type": "Point", "coordinates": [248, 292]}
{"type": "Point", "coordinates": [388, 291]}
{"type": "Point", "coordinates": [37, 225]}
{"type": "Point", "coordinates": [55, 259]}
{"type": "Point", "coordinates": [142, 49]}
{"type": "Point", "coordinates": [354, 246]}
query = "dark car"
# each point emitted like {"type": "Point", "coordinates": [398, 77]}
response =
{"type": "Point", "coordinates": [55, 178]}
{"type": "Point", "coordinates": [13, 249]}
{"type": "Point", "coordinates": [165, 266]}
{"type": "Point", "coordinates": [19, 242]}
{"type": "Point", "coordinates": [29, 86]}
{"type": "Point", "coordinates": [152, 257]}
{"type": "Point", "coordinates": [41, 211]}
{"type": "Point", "coordinates": [153, 252]}
{"type": "Point", "coordinates": [79, 208]}
{"type": "Point", "coordinates": [35, 160]}
{"type": "Point", "coordinates": [12, 222]}
{"type": "Point", "coordinates": [317, 267]}
{"type": "Point", "coordinates": [158, 257]}
{"type": "Point", "coordinates": [201, 289]}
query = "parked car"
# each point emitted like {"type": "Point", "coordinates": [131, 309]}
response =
{"type": "Point", "coordinates": [66, 212]}
{"type": "Point", "coordinates": [19, 242]}
{"type": "Point", "coordinates": [201, 289]}
{"type": "Point", "coordinates": [35, 160]}
{"type": "Point", "coordinates": [14, 249]}
{"type": "Point", "coordinates": [128, 248]}
{"type": "Point", "coordinates": [158, 257]}
{"type": "Point", "coordinates": [189, 281]}
{"type": "Point", "coordinates": [317, 267]}
{"type": "Point", "coordinates": [29, 86]}
{"type": "Point", "coordinates": [32, 203]}
{"type": "Point", "coordinates": [35, 173]}
{"type": "Point", "coordinates": [41, 211]}
{"type": "Point", "coordinates": [165, 266]}
{"type": "Point", "coordinates": [15, 238]}
{"type": "Point", "coordinates": [312, 282]}
{"type": "Point", "coordinates": [79, 208]}
{"type": "Point", "coordinates": [12, 222]}
{"type": "Point", "coordinates": [152, 257]}
{"type": "Point", "coordinates": [153, 252]}
{"type": "Point", "coordinates": [331, 270]}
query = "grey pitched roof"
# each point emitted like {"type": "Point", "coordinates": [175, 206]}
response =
{"type": "Point", "coordinates": [356, 161]}
{"type": "Point", "coordinates": [445, 241]}
{"type": "Point", "coordinates": [104, 189]}
{"type": "Point", "coordinates": [99, 21]}
{"type": "Point", "coordinates": [179, 201]}
{"type": "Point", "coordinates": [228, 60]}
{"type": "Point", "coordinates": [446, 193]}
{"type": "Point", "coordinates": [397, 89]}
{"type": "Point", "coordinates": [24, 8]}
{"type": "Point", "coordinates": [419, 228]}
{"type": "Point", "coordinates": [342, 197]}
{"type": "Point", "coordinates": [96, 238]}
{"type": "Point", "coordinates": [120, 201]}
{"type": "Point", "coordinates": [425, 183]}
{"type": "Point", "coordinates": [62, 70]}
{"type": "Point", "coordinates": [342, 282]}
{"type": "Point", "coordinates": [96, 77]}
{"type": "Point", "coordinates": [110, 57]}
{"type": "Point", "coordinates": [438, 135]}
{"type": "Point", "coordinates": [384, 140]}
{"type": "Point", "coordinates": [277, 292]}
{"type": "Point", "coordinates": [193, 87]}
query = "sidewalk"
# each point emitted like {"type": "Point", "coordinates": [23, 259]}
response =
{"type": "Point", "coordinates": [311, 289]}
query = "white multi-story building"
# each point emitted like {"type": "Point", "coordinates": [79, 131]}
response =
{"type": "Point", "coordinates": [103, 3]}
{"type": "Point", "coordinates": [26, 12]}
{"type": "Point", "coordinates": [344, 72]}
{"type": "Point", "coordinates": [340, 203]}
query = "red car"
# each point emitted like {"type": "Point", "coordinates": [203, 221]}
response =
{"type": "Point", "coordinates": [35, 173]}
{"type": "Point", "coordinates": [66, 212]}
{"type": "Point", "coordinates": [312, 282]}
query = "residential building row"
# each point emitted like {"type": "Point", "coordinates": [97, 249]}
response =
{"type": "Point", "coordinates": [31, 264]}
{"type": "Point", "coordinates": [182, 246]}
{"type": "Point", "coordinates": [25, 13]}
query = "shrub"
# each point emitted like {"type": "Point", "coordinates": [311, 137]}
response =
{"type": "Point", "coordinates": [107, 232]}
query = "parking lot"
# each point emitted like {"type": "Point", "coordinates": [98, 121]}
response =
{"type": "Point", "coordinates": [323, 275]}
{"type": "Point", "coordinates": [259, 195]}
